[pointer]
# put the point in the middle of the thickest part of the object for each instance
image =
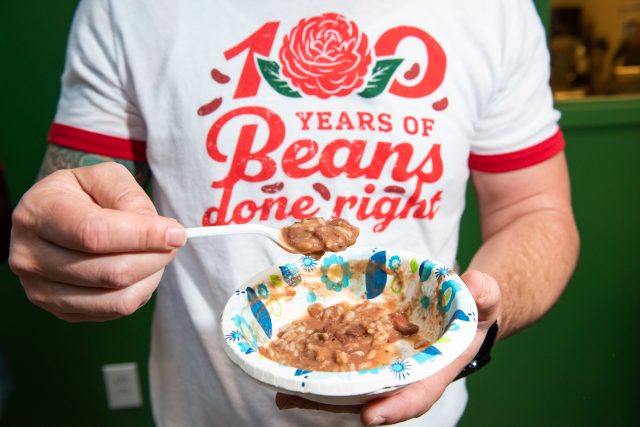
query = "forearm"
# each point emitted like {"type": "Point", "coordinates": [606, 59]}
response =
{"type": "Point", "coordinates": [58, 157]}
{"type": "Point", "coordinates": [532, 258]}
{"type": "Point", "coordinates": [530, 238]}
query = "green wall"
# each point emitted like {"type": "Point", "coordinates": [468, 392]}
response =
{"type": "Point", "coordinates": [574, 367]}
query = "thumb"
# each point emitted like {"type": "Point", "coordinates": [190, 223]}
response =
{"type": "Point", "coordinates": [486, 293]}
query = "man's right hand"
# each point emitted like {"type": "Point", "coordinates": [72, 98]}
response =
{"type": "Point", "coordinates": [88, 244]}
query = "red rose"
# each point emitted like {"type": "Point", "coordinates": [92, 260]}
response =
{"type": "Point", "coordinates": [325, 56]}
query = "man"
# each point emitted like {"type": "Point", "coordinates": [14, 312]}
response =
{"type": "Point", "coordinates": [269, 112]}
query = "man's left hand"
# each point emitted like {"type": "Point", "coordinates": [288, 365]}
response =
{"type": "Point", "coordinates": [416, 399]}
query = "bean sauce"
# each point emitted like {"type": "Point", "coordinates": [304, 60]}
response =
{"type": "Point", "coordinates": [314, 236]}
{"type": "Point", "coordinates": [343, 337]}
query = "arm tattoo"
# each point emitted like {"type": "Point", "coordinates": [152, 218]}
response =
{"type": "Point", "coordinates": [58, 157]}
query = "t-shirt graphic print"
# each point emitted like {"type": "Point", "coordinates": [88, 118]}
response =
{"type": "Point", "coordinates": [324, 58]}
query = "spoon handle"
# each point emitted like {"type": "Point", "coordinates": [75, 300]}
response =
{"type": "Point", "coordinates": [223, 230]}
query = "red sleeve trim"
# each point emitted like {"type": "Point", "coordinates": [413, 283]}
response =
{"type": "Point", "coordinates": [97, 143]}
{"type": "Point", "coordinates": [519, 159]}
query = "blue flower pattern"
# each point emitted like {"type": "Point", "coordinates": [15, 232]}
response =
{"type": "Point", "coordinates": [263, 291]}
{"type": "Point", "coordinates": [308, 264]}
{"type": "Point", "coordinates": [442, 272]}
{"type": "Point", "coordinates": [400, 369]}
{"type": "Point", "coordinates": [250, 344]}
{"type": "Point", "coordinates": [425, 302]}
{"type": "Point", "coordinates": [446, 298]}
{"type": "Point", "coordinates": [343, 281]}
{"type": "Point", "coordinates": [234, 336]}
{"type": "Point", "coordinates": [394, 262]}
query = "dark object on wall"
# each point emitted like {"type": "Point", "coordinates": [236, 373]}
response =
{"type": "Point", "coordinates": [569, 49]}
{"type": "Point", "coordinates": [629, 51]}
{"type": "Point", "coordinates": [5, 217]}
{"type": "Point", "coordinates": [625, 77]}
{"type": "Point", "coordinates": [566, 21]}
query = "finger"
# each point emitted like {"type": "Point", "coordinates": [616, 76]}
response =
{"type": "Point", "coordinates": [410, 402]}
{"type": "Point", "coordinates": [100, 181]}
{"type": "Point", "coordinates": [78, 318]}
{"type": "Point", "coordinates": [94, 303]}
{"type": "Point", "coordinates": [287, 401]}
{"type": "Point", "coordinates": [62, 265]}
{"type": "Point", "coordinates": [83, 226]}
{"type": "Point", "coordinates": [89, 317]}
{"type": "Point", "coordinates": [486, 293]}
{"type": "Point", "coordinates": [417, 398]}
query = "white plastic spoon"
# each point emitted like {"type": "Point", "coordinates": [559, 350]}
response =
{"type": "Point", "coordinates": [223, 230]}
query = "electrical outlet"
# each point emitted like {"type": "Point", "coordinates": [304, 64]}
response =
{"type": "Point", "coordinates": [123, 386]}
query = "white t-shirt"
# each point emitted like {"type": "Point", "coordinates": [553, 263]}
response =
{"type": "Point", "coordinates": [275, 110]}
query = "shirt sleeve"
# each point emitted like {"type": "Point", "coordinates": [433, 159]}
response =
{"type": "Point", "coordinates": [518, 126]}
{"type": "Point", "coordinates": [96, 111]}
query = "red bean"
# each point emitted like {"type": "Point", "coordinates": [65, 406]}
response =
{"type": "Point", "coordinates": [272, 188]}
{"type": "Point", "coordinates": [219, 77]}
{"type": "Point", "coordinates": [356, 331]}
{"type": "Point", "coordinates": [412, 72]}
{"type": "Point", "coordinates": [210, 107]}
{"type": "Point", "coordinates": [441, 105]}
{"type": "Point", "coordinates": [322, 190]}
{"type": "Point", "coordinates": [394, 189]}
{"type": "Point", "coordinates": [401, 324]}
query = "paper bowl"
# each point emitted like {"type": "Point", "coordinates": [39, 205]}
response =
{"type": "Point", "coordinates": [442, 305]}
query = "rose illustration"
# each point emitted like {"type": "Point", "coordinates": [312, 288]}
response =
{"type": "Point", "coordinates": [325, 56]}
